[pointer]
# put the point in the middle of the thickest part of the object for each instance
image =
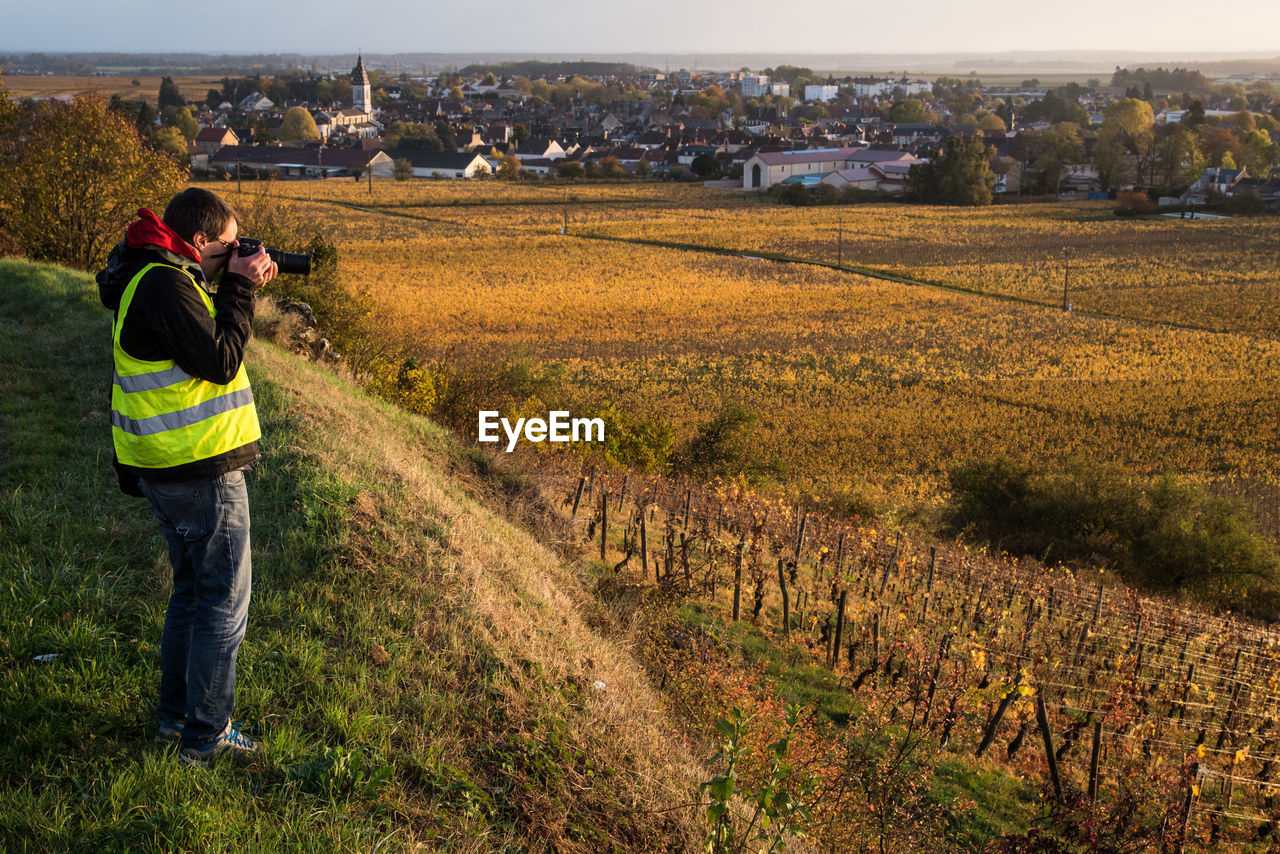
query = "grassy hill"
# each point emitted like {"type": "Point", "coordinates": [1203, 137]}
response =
{"type": "Point", "coordinates": [423, 674]}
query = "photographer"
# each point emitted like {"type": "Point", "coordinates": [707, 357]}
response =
{"type": "Point", "coordinates": [185, 429]}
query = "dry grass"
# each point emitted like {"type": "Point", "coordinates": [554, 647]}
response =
{"type": "Point", "coordinates": [521, 602]}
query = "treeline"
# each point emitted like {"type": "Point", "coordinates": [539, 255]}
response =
{"type": "Point", "coordinates": [552, 70]}
{"type": "Point", "coordinates": [148, 63]}
{"type": "Point", "coordinates": [1170, 80]}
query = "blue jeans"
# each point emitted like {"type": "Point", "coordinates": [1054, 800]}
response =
{"type": "Point", "coordinates": [206, 523]}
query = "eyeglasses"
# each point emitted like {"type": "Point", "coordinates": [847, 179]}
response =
{"type": "Point", "coordinates": [230, 244]}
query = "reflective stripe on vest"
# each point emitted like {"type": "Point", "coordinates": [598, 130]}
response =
{"type": "Point", "coordinates": [161, 416]}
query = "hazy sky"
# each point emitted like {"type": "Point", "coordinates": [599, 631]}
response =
{"type": "Point", "coordinates": [818, 26]}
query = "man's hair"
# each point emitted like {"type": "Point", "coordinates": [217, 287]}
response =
{"type": "Point", "coordinates": [195, 210]}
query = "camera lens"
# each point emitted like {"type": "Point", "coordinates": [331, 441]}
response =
{"type": "Point", "coordinates": [291, 262]}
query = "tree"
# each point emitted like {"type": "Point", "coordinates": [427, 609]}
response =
{"type": "Point", "coordinates": [611, 167]}
{"type": "Point", "coordinates": [706, 166]}
{"type": "Point", "coordinates": [444, 132]}
{"type": "Point", "coordinates": [403, 169]}
{"type": "Point", "coordinates": [1260, 153]}
{"type": "Point", "coordinates": [171, 141]}
{"type": "Point", "coordinates": [959, 175]}
{"type": "Point", "coordinates": [298, 126]}
{"type": "Point", "coordinates": [1109, 159]}
{"type": "Point", "coordinates": [1178, 159]}
{"type": "Point", "coordinates": [569, 169]}
{"type": "Point", "coordinates": [169, 94]}
{"type": "Point", "coordinates": [1128, 124]}
{"type": "Point", "coordinates": [992, 123]}
{"type": "Point", "coordinates": [909, 110]}
{"type": "Point", "coordinates": [68, 192]}
{"type": "Point", "coordinates": [1058, 147]}
{"type": "Point", "coordinates": [508, 168]}
{"type": "Point", "coordinates": [185, 122]}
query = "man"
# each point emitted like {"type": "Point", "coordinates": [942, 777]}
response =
{"type": "Point", "coordinates": [185, 429]}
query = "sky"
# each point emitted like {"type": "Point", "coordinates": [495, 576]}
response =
{"type": "Point", "coordinates": [1175, 27]}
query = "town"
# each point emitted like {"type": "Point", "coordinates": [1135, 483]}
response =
{"type": "Point", "coordinates": [1181, 136]}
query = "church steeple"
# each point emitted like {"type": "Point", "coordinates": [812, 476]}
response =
{"type": "Point", "coordinates": [361, 90]}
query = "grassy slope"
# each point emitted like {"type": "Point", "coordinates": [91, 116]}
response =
{"type": "Point", "coordinates": [421, 671]}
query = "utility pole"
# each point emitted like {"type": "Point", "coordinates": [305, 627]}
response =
{"type": "Point", "coordinates": [1066, 278]}
{"type": "Point", "coordinates": [840, 243]}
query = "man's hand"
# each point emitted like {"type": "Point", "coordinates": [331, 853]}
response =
{"type": "Point", "coordinates": [257, 268]}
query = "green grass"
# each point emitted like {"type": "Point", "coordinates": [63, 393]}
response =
{"type": "Point", "coordinates": [389, 719]}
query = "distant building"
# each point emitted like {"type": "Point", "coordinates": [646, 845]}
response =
{"type": "Point", "coordinates": [768, 168]}
{"type": "Point", "coordinates": [443, 164]}
{"type": "Point", "coordinates": [361, 89]}
{"type": "Point", "coordinates": [209, 140]}
{"type": "Point", "coordinates": [302, 162]}
{"type": "Point", "coordinates": [256, 103]}
{"type": "Point", "coordinates": [823, 92]}
{"type": "Point", "coordinates": [755, 85]}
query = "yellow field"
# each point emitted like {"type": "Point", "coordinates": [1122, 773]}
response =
{"type": "Point", "coordinates": [148, 88]}
{"type": "Point", "coordinates": [861, 385]}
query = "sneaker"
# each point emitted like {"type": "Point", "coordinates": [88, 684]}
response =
{"type": "Point", "coordinates": [232, 741]}
{"type": "Point", "coordinates": [170, 732]}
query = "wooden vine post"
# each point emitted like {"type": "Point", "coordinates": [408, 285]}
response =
{"type": "Point", "coordinates": [644, 543]}
{"type": "Point", "coordinates": [786, 604]}
{"type": "Point", "coordinates": [582, 482]}
{"type": "Point", "coordinates": [835, 649]}
{"type": "Point", "coordinates": [737, 580]}
{"type": "Point", "coordinates": [928, 590]}
{"type": "Point", "coordinates": [1042, 718]}
{"type": "Point", "coordinates": [1093, 760]}
{"type": "Point", "coordinates": [604, 522]}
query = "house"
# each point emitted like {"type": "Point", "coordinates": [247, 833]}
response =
{"type": "Point", "coordinates": [767, 168]}
{"type": "Point", "coordinates": [539, 148]}
{"type": "Point", "coordinates": [1267, 189]}
{"type": "Point", "coordinates": [1216, 181]}
{"type": "Point", "coordinates": [209, 140]}
{"type": "Point", "coordinates": [256, 103]}
{"type": "Point", "coordinates": [888, 176]}
{"type": "Point", "coordinates": [611, 124]}
{"type": "Point", "coordinates": [319, 162]}
{"type": "Point", "coordinates": [443, 164]}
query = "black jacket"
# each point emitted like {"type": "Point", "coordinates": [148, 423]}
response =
{"type": "Point", "coordinates": [167, 319]}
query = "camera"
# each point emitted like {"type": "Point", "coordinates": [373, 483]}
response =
{"type": "Point", "coordinates": [287, 262]}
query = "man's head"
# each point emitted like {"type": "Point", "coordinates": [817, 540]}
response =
{"type": "Point", "coordinates": [208, 223]}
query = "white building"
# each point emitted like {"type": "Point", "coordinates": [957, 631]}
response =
{"type": "Point", "coordinates": [768, 168]}
{"type": "Point", "coordinates": [780, 90]}
{"type": "Point", "coordinates": [823, 92]}
{"type": "Point", "coordinates": [883, 88]}
{"type": "Point", "coordinates": [755, 85]}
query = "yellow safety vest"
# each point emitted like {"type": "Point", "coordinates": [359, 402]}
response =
{"type": "Point", "coordinates": [161, 416]}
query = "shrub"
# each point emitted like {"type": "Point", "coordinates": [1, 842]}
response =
{"type": "Point", "coordinates": [1134, 203]}
{"type": "Point", "coordinates": [1247, 204]}
{"type": "Point", "coordinates": [1165, 535]}
{"type": "Point", "coordinates": [825, 194]}
{"type": "Point", "coordinates": [722, 447]}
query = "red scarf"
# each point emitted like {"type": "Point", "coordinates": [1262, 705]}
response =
{"type": "Point", "coordinates": [150, 230]}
